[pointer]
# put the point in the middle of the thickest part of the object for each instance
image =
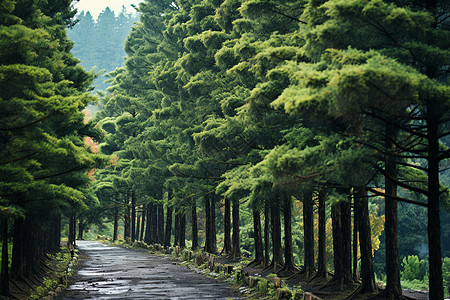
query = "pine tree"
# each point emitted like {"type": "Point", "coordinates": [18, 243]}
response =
{"type": "Point", "coordinates": [43, 159]}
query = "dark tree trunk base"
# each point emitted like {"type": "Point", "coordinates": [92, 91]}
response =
{"type": "Point", "coordinates": [304, 274]}
{"type": "Point", "coordinates": [235, 238]}
{"type": "Point", "coordinates": [288, 271]}
{"type": "Point", "coordinates": [256, 263]}
{"type": "Point", "coordinates": [277, 255]}
{"type": "Point", "coordinates": [274, 268]}
{"type": "Point", "coordinates": [4, 277]}
{"type": "Point", "coordinates": [318, 275]}
{"type": "Point", "coordinates": [337, 283]}
{"type": "Point", "coordinates": [385, 295]}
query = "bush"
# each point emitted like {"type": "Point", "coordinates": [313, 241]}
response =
{"type": "Point", "coordinates": [446, 274]}
{"type": "Point", "coordinates": [414, 268]}
{"type": "Point", "coordinates": [263, 285]}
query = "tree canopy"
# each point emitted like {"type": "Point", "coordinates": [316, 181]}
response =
{"type": "Point", "coordinates": [229, 113]}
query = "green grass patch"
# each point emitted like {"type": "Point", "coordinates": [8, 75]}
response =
{"type": "Point", "coordinates": [415, 284]}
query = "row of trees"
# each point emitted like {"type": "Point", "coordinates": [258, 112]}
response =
{"type": "Point", "coordinates": [259, 102]}
{"type": "Point", "coordinates": [43, 157]}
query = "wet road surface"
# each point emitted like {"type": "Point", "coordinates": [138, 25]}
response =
{"type": "Point", "coordinates": [108, 272]}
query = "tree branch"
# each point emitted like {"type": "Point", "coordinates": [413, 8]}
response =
{"type": "Point", "coordinates": [395, 198]}
{"type": "Point", "coordinates": [444, 155]}
{"type": "Point", "coordinates": [402, 184]}
{"type": "Point", "coordinates": [59, 174]}
{"type": "Point", "coordinates": [26, 125]}
{"type": "Point", "coordinates": [17, 159]}
{"type": "Point", "coordinates": [287, 16]}
{"type": "Point", "coordinates": [412, 166]}
{"type": "Point", "coordinates": [195, 176]}
{"type": "Point", "coordinates": [406, 129]}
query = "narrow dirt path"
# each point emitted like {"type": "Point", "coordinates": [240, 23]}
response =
{"type": "Point", "coordinates": [108, 272]}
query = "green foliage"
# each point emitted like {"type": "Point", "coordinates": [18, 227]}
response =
{"type": "Point", "coordinates": [48, 284]}
{"type": "Point", "coordinates": [247, 98]}
{"type": "Point", "coordinates": [414, 268]}
{"type": "Point", "coordinates": [45, 165]}
{"type": "Point", "coordinates": [263, 285]}
{"type": "Point", "coordinates": [446, 274]}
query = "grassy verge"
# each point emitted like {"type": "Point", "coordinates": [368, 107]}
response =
{"type": "Point", "coordinates": [48, 283]}
{"type": "Point", "coordinates": [59, 266]}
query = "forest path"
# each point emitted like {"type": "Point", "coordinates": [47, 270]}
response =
{"type": "Point", "coordinates": [109, 272]}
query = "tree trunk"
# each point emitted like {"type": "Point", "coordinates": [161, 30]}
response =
{"type": "Point", "coordinates": [342, 273]}
{"type": "Point", "coordinates": [207, 225]}
{"type": "Point", "coordinates": [236, 242]}
{"type": "Point", "coordinates": [144, 212]}
{"type": "Point", "coordinates": [259, 255]}
{"type": "Point", "coordinates": [322, 270]}
{"type": "Point", "coordinates": [81, 226]}
{"type": "Point", "coordinates": [182, 228]}
{"type": "Point", "coordinates": [138, 225]}
{"type": "Point", "coordinates": [176, 241]}
{"type": "Point", "coordinates": [147, 225]}
{"type": "Point", "coordinates": [126, 227]}
{"type": "Point", "coordinates": [289, 265]}
{"type": "Point", "coordinates": [266, 235]}
{"type": "Point", "coordinates": [53, 235]}
{"type": "Point", "coordinates": [393, 287]}
{"type": "Point", "coordinates": [4, 276]}
{"type": "Point", "coordinates": [365, 241]}
{"type": "Point", "coordinates": [28, 252]}
{"type": "Point", "coordinates": [277, 260]}
{"type": "Point", "coordinates": [58, 232]}
{"type": "Point", "coordinates": [337, 242]}
{"type": "Point", "coordinates": [346, 214]}
{"type": "Point", "coordinates": [71, 237]}
{"type": "Point", "coordinates": [194, 224]}
{"type": "Point", "coordinates": [160, 224]}
{"type": "Point", "coordinates": [17, 263]}
{"type": "Point", "coordinates": [133, 216]}
{"type": "Point", "coordinates": [355, 244]}
{"type": "Point", "coordinates": [213, 238]}
{"type": "Point", "coordinates": [308, 228]}
{"type": "Point", "coordinates": [168, 228]}
{"type": "Point", "coordinates": [434, 113]}
{"type": "Point", "coordinates": [154, 224]}
{"type": "Point", "coordinates": [74, 227]}
{"type": "Point", "coordinates": [227, 227]}
{"type": "Point", "coordinates": [116, 223]}
{"type": "Point", "coordinates": [434, 222]}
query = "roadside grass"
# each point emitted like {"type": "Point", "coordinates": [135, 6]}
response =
{"type": "Point", "coordinates": [59, 264]}
{"type": "Point", "coordinates": [415, 284]}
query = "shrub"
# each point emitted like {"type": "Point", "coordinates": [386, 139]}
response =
{"type": "Point", "coordinates": [414, 268]}
{"type": "Point", "coordinates": [446, 274]}
{"type": "Point", "coordinates": [263, 285]}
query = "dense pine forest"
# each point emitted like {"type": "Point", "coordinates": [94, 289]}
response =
{"type": "Point", "coordinates": [311, 136]}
